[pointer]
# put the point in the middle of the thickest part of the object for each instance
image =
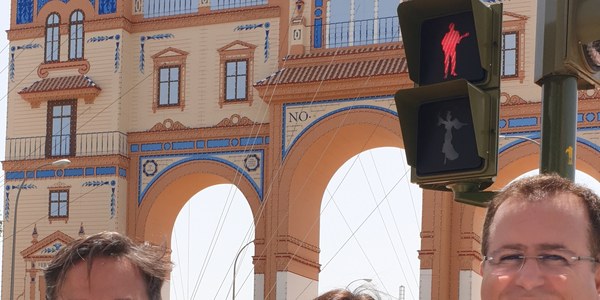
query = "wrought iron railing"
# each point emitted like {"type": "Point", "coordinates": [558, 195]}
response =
{"type": "Point", "coordinates": [227, 4]}
{"type": "Point", "coordinates": [165, 8]}
{"type": "Point", "coordinates": [86, 144]}
{"type": "Point", "coordinates": [357, 33]}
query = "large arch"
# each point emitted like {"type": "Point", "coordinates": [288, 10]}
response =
{"type": "Point", "coordinates": [525, 156]}
{"type": "Point", "coordinates": [169, 193]}
{"type": "Point", "coordinates": [311, 163]}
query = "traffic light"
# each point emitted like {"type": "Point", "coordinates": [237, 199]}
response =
{"type": "Point", "coordinates": [569, 40]}
{"type": "Point", "coordinates": [449, 120]}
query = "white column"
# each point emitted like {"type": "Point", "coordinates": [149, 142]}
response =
{"type": "Point", "coordinates": [327, 21]}
{"type": "Point", "coordinates": [425, 285]}
{"type": "Point", "coordinates": [351, 25]}
{"type": "Point", "coordinates": [375, 21]}
{"type": "Point", "coordinates": [293, 286]}
{"type": "Point", "coordinates": [469, 285]}
{"type": "Point", "coordinates": [259, 286]}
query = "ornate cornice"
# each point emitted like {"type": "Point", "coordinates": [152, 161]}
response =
{"type": "Point", "coordinates": [335, 89]}
{"type": "Point", "coordinates": [35, 99]}
{"type": "Point", "coordinates": [76, 162]}
{"type": "Point", "coordinates": [235, 120]}
{"type": "Point", "coordinates": [82, 66]}
{"type": "Point", "coordinates": [140, 24]}
{"type": "Point", "coordinates": [168, 125]}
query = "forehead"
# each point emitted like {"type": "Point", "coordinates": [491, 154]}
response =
{"type": "Point", "coordinates": [108, 279]}
{"type": "Point", "coordinates": [561, 219]}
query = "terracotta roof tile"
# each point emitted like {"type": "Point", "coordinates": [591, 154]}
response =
{"type": "Point", "coordinates": [342, 70]}
{"type": "Point", "coordinates": [346, 51]}
{"type": "Point", "coordinates": [60, 83]}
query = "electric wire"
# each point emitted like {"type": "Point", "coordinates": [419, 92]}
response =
{"type": "Point", "coordinates": [144, 79]}
{"type": "Point", "coordinates": [387, 231]}
{"type": "Point", "coordinates": [394, 218]}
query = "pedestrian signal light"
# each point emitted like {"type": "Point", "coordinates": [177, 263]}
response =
{"type": "Point", "coordinates": [450, 133]}
{"type": "Point", "coordinates": [446, 138]}
{"type": "Point", "coordinates": [449, 49]}
{"type": "Point", "coordinates": [453, 39]}
{"type": "Point", "coordinates": [449, 121]}
{"type": "Point", "coordinates": [569, 41]}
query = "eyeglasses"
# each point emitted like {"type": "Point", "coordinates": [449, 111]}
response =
{"type": "Point", "coordinates": [547, 263]}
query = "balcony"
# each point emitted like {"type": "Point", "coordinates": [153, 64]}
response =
{"type": "Point", "coordinates": [85, 144]}
{"type": "Point", "coordinates": [165, 8]}
{"type": "Point", "coordinates": [356, 33]}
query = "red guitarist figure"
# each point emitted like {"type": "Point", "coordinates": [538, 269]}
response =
{"type": "Point", "coordinates": [449, 42]}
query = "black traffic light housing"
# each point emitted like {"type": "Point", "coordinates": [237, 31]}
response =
{"type": "Point", "coordinates": [449, 120]}
{"type": "Point", "coordinates": [568, 41]}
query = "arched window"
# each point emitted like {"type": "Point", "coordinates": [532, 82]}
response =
{"type": "Point", "coordinates": [76, 36]}
{"type": "Point", "coordinates": [53, 38]}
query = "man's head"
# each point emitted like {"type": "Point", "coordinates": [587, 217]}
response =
{"type": "Point", "coordinates": [344, 294]}
{"type": "Point", "coordinates": [541, 238]}
{"type": "Point", "coordinates": [107, 265]}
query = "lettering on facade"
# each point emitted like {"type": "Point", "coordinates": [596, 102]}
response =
{"type": "Point", "coordinates": [298, 116]}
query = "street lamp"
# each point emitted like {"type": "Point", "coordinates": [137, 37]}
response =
{"type": "Point", "coordinates": [235, 263]}
{"type": "Point", "coordinates": [59, 163]}
{"type": "Point", "coordinates": [353, 281]}
{"type": "Point", "coordinates": [519, 137]}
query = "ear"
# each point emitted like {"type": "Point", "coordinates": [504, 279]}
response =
{"type": "Point", "coordinates": [597, 279]}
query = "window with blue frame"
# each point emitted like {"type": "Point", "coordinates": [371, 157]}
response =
{"type": "Point", "coordinates": [76, 36]}
{"type": "Point", "coordinates": [52, 50]}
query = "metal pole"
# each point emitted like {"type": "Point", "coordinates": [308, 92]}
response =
{"type": "Point", "coordinates": [14, 238]}
{"type": "Point", "coordinates": [235, 264]}
{"type": "Point", "coordinates": [559, 125]}
{"type": "Point", "coordinates": [58, 163]}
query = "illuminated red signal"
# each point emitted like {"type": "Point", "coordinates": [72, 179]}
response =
{"type": "Point", "coordinates": [451, 39]}
{"type": "Point", "coordinates": [450, 50]}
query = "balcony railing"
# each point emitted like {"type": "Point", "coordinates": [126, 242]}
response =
{"type": "Point", "coordinates": [227, 4]}
{"type": "Point", "coordinates": [165, 8]}
{"type": "Point", "coordinates": [356, 33]}
{"type": "Point", "coordinates": [86, 144]}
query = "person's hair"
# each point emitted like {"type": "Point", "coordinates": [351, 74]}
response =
{"type": "Point", "coordinates": [150, 260]}
{"type": "Point", "coordinates": [344, 294]}
{"type": "Point", "coordinates": [543, 188]}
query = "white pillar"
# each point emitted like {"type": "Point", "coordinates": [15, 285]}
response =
{"type": "Point", "coordinates": [375, 21]}
{"type": "Point", "coordinates": [351, 25]}
{"type": "Point", "coordinates": [327, 21]}
{"type": "Point", "coordinates": [469, 285]}
{"type": "Point", "coordinates": [294, 286]}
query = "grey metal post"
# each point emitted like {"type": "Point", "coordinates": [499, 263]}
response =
{"type": "Point", "coordinates": [559, 125]}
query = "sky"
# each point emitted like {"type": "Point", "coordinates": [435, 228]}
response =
{"type": "Point", "coordinates": [370, 224]}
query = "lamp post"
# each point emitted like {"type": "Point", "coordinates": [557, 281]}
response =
{"type": "Point", "coordinates": [519, 137]}
{"type": "Point", "coordinates": [235, 264]}
{"type": "Point", "coordinates": [353, 281]}
{"type": "Point", "coordinates": [58, 163]}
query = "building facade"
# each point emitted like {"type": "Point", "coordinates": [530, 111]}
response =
{"type": "Point", "coordinates": [155, 100]}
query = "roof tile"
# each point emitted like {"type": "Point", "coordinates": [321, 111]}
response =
{"type": "Point", "coordinates": [60, 83]}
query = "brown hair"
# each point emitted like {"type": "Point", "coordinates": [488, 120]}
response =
{"type": "Point", "coordinates": [150, 260]}
{"type": "Point", "coordinates": [343, 294]}
{"type": "Point", "coordinates": [542, 188]}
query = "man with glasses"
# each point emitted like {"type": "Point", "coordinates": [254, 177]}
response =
{"type": "Point", "coordinates": [541, 240]}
